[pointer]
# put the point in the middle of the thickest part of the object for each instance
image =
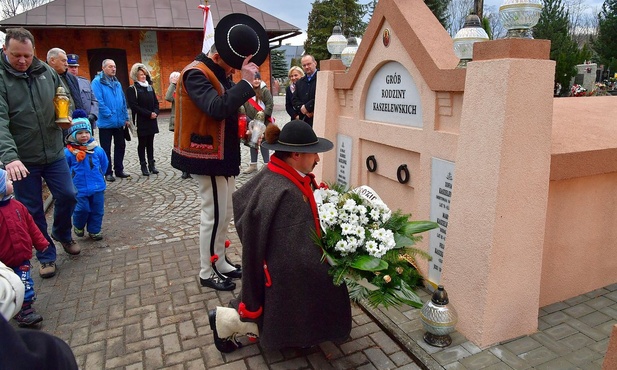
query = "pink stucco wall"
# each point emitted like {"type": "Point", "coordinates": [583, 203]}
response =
{"type": "Point", "coordinates": [580, 244]}
{"type": "Point", "coordinates": [534, 200]}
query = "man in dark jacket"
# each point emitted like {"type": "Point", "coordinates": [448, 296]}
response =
{"type": "Point", "coordinates": [31, 143]}
{"type": "Point", "coordinates": [91, 105]}
{"type": "Point", "coordinates": [303, 99]}
{"type": "Point", "coordinates": [207, 145]}
{"type": "Point", "coordinates": [57, 59]}
{"type": "Point", "coordinates": [288, 298]}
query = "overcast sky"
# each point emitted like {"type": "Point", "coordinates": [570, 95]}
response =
{"type": "Point", "coordinates": [297, 12]}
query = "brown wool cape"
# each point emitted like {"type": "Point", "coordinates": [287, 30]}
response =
{"type": "Point", "coordinates": [301, 307]}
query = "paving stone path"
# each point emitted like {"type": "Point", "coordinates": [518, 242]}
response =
{"type": "Point", "coordinates": [133, 300]}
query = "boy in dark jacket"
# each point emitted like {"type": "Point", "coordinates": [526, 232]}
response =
{"type": "Point", "coordinates": [18, 233]}
{"type": "Point", "coordinates": [88, 163]}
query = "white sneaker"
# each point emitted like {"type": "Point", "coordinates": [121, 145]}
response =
{"type": "Point", "coordinates": [250, 169]}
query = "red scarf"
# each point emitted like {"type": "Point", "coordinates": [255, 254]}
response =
{"type": "Point", "coordinates": [306, 184]}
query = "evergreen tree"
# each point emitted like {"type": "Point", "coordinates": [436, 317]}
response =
{"type": "Point", "coordinates": [279, 64]}
{"type": "Point", "coordinates": [326, 14]}
{"type": "Point", "coordinates": [370, 8]}
{"type": "Point", "coordinates": [554, 25]}
{"type": "Point", "coordinates": [605, 44]}
{"type": "Point", "coordinates": [440, 10]}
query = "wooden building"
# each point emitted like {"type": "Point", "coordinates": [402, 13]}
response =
{"type": "Point", "coordinates": [165, 35]}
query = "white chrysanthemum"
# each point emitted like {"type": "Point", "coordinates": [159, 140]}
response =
{"type": "Point", "coordinates": [359, 232]}
{"type": "Point", "coordinates": [354, 219]}
{"type": "Point", "coordinates": [380, 251]}
{"type": "Point", "coordinates": [372, 247]}
{"type": "Point", "coordinates": [320, 196]}
{"type": "Point", "coordinates": [347, 228]}
{"type": "Point", "coordinates": [378, 234]}
{"type": "Point", "coordinates": [375, 214]}
{"type": "Point", "coordinates": [360, 209]}
{"type": "Point", "coordinates": [388, 240]}
{"type": "Point", "coordinates": [353, 243]}
{"type": "Point", "coordinates": [364, 220]}
{"type": "Point", "coordinates": [386, 216]}
{"type": "Point", "coordinates": [349, 205]}
{"type": "Point", "coordinates": [343, 247]}
{"type": "Point", "coordinates": [328, 210]}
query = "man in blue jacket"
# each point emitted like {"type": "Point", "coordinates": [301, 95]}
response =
{"type": "Point", "coordinates": [113, 117]}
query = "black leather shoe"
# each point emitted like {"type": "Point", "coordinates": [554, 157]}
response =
{"type": "Point", "coordinates": [234, 274]}
{"type": "Point", "coordinates": [218, 284]}
{"type": "Point", "coordinates": [186, 175]}
{"type": "Point", "coordinates": [223, 345]}
{"type": "Point", "coordinates": [122, 175]}
{"type": "Point", "coordinates": [110, 178]}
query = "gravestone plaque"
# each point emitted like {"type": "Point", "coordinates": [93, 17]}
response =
{"type": "Point", "coordinates": [343, 159]}
{"type": "Point", "coordinates": [393, 97]}
{"type": "Point", "coordinates": [442, 173]}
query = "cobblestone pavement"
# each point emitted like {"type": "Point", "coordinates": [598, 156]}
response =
{"type": "Point", "coordinates": [133, 300]}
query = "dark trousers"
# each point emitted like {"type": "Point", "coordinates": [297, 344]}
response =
{"type": "Point", "coordinates": [23, 271]}
{"type": "Point", "coordinates": [28, 191]}
{"type": "Point", "coordinates": [105, 136]}
{"type": "Point", "coordinates": [145, 145]}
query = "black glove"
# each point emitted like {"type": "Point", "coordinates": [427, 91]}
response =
{"type": "Point", "coordinates": [92, 118]}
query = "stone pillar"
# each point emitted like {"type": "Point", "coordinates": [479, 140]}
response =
{"type": "Point", "coordinates": [493, 257]}
{"type": "Point", "coordinates": [327, 108]}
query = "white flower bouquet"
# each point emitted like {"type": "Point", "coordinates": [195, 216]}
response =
{"type": "Point", "coordinates": [370, 247]}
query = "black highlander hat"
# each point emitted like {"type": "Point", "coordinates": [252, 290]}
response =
{"type": "Point", "coordinates": [237, 36]}
{"type": "Point", "coordinates": [296, 136]}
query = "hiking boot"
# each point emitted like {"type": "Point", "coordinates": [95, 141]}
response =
{"type": "Point", "coordinates": [28, 317]}
{"type": "Point", "coordinates": [70, 246]}
{"type": "Point", "coordinates": [47, 269]}
{"type": "Point", "coordinates": [96, 236]}
{"type": "Point", "coordinates": [78, 232]}
{"type": "Point", "coordinates": [250, 169]}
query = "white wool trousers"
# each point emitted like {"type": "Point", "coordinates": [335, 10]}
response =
{"type": "Point", "coordinates": [216, 213]}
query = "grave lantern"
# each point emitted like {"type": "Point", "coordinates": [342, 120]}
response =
{"type": "Point", "coordinates": [349, 52]}
{"type": "Point", "coordinates": [439, 319]}
{"type": "Point", "coordinates": [519, 16]}
{"type": "Point", "coordinates": [464, 39]}
{"type": "Point", "coordinates": [336, 43]}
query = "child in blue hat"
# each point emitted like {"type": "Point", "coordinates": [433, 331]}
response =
{"type": "Point", "coordinates": [88, 163]}
{"type": "Point", "coordinates": [18, 233]}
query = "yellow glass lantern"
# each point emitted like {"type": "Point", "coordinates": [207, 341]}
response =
{"type": "Point", "coordinates": [62, 102]}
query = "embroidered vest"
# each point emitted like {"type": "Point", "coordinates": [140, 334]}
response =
{"type": "Point", "coordinates": [196, 134]}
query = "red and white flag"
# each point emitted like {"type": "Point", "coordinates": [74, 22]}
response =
{"type": "Point", "coordinates": [208, 29]}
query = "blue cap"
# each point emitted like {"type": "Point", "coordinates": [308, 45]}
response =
{"type": "Point", "coordinates": [73, 60]}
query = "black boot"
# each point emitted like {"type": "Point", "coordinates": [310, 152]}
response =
{"type": "Point", "coordinates": [152, 168]}
{"type": "Point", "coordinates": [144, 169]}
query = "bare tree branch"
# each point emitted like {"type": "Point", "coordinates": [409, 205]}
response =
{"type": "Point", "coordinates": [10, 8]}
